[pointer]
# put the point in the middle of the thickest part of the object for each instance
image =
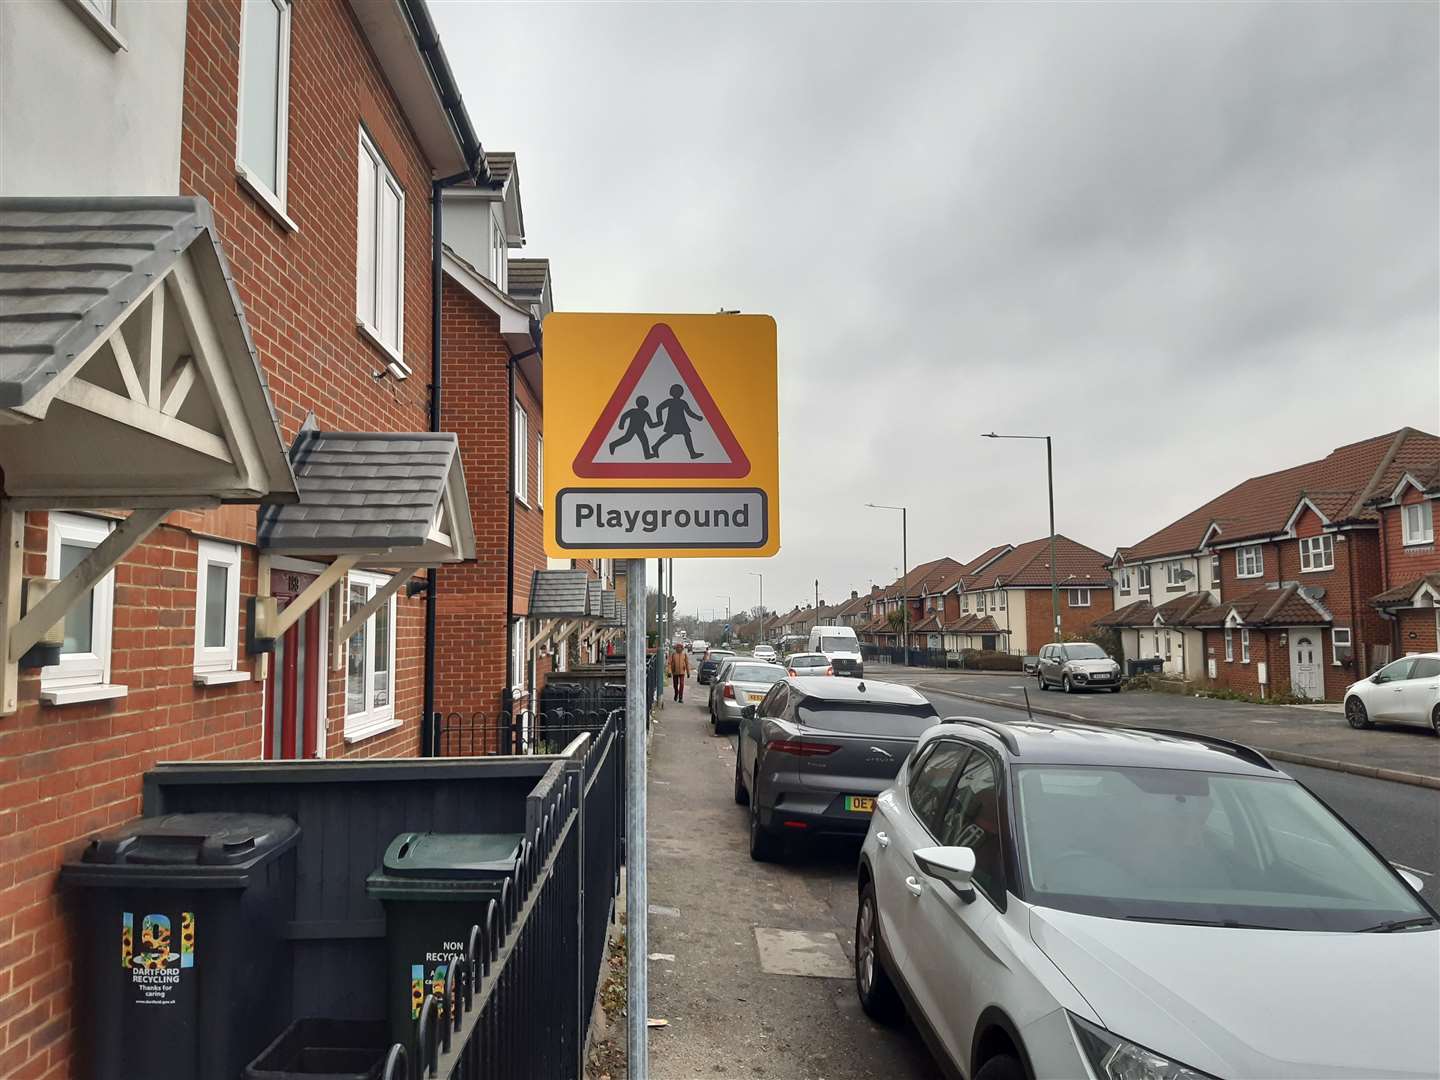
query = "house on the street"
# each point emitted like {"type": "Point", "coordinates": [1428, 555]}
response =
{"type": "Point", "coordinates": [1277, 585]}
{"type": "Point", "coordinates": [1409, 562]}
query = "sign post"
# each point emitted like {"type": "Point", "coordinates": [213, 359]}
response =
{"type": "Point", "coordinates": [664, 442]}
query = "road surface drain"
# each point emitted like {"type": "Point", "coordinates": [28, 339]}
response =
{"type": "Point", "coordinates": [801, 952]}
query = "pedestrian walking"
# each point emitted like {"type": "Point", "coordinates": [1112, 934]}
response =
{"type": "Point", "coordinates": [676, 415]}
{"type": "Point", "coordinates": [679, 667]}
{"type": "Point", "coordinates": [635, 421]}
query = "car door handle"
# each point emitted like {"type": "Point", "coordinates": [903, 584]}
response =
{"type": "Point", "coordinates": [915, 885]}
{"type": "Point", "coordinates": [883, 839]}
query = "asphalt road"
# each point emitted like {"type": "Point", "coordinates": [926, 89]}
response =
{"type": "Point", "coordinates": [727, 1015]}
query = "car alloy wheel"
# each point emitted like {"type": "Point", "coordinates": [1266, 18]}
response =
{"type": "Point", "coordinates": [1041, 680]}
{"type": "Point", "coordinates": [1355, 714]}
{"type": "Point", "coordinates": [762, 844]}
{"type": "Point", "coordinates": [742, 797]}
{"type": "Point", "coordinates": [877, 993]}
{"type": "Point", "coordinates": [1065, 681]}
{"type": "Point", "coordinates": [865, 948]}
{"type": "Point", "coordinates": [1435, 720]}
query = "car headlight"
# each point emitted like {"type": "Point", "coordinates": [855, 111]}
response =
{"type": "Point", "coordinates": [1114, 1058]}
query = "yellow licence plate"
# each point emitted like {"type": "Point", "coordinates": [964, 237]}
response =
{"type": "Point", "coordinates": [860, 804]}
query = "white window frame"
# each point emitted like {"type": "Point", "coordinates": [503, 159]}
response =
{"type": "Point", "coordinates": [372, 720]}
{"type": "Point", "coordinates": [104, 26]}
{"type": "Point", "coordinates": [1001, 594]}
{"type": "Point", "coordinates": [273, 199]}
{"type": "Point", "coordinates": [217, 665]}
{"type": "Point", "coordinates": [520, 433]}
{"type": "Point", "coordinates": [499, 249]}
{"type": "Point", "coordinates": [1253, 556]}
{"type": "Point", "coordinates": [368, 279]}
{"type": "Point", "coordinates": [1229, 645]}
{"type": "Point", "coordinates": [82, 676]}
{"type": "Point", "coordinates": [1424, 530]}
{"type": "Point", "coordinates": [1142, 579]}
{"type": "Point", "coordinates": [1317, 553]}
{"type": "Point", "coordinates": [519, 631]}
{"type": "Point", "coordinates": [1126, 581]}
{"type": "Point", "coordinates": [1215, 570]}
{"type": "Point", "coordinates": [1173, 571]}
{"type": "Point", "coordinates": [1244, 645]}
{"type": "Point", "coordinates": [1336, 644]}
{"type": "Point", "coordinates": [1073, 599]}
{"type": "Point", "coordinates": [540, 472]}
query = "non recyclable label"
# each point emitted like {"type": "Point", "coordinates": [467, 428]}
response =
{"type": "Point", "coordinates": [430, 976]}
{"type": "Point", "coordinates": [160, 963]}
{"type": "Point", "coordinates": [662, 518]}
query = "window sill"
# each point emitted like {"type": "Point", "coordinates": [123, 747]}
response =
{"type": "Point", "coordinates": [1430, 543]}
{"type": "Point", "coordinates": [220, 678]}
{"type": "Point", "coordinates": [358, 732]}
{"type": "Point", "coordinates": [394, 362]}
{"type": "Point", "coordinates": [265, 197]}
{"type": "Point", "coordinates": [1317, 569]}
{"type": "Point", "coordinates": [108, 35]}
{"type": "Point", "coordinates": [74, 695]}
{"type": "Point", "coordinates": [1249, 577]}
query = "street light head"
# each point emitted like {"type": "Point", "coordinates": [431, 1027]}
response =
{"type": "Point", "coordinates": [988, 435]}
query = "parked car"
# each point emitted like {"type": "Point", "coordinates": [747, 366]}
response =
{"type": "Point", "coordinates": [814, 754]}
{"type": "Point", "coordinates": [841, 647]}
{"type": "Point", "coordinates": [698, 647]}
{"type": "Point", "coordinates": [740, 682]}
{"type": "Point", "coordinates": [1076, 665]}
{"type": "Point", "coordinates": [764, 652]}
{"type": "Point", "coordinates": [711, 664]}
{"type": "Point", "coordinates": [808, 663]}
{"type": "Point", "coordinates": [1067, 901]}
{"type": "Point", "coordinates": [1406, 691]}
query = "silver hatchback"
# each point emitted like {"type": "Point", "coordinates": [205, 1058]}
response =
{"type": "Point", "coordinates": [740, 682]}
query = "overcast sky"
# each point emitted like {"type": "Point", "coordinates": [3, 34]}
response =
{"type": "Point", "coordinates": [1193, 243]}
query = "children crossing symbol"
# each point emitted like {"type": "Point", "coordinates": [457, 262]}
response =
{"type": "Point", "coordinates": [693, 438]}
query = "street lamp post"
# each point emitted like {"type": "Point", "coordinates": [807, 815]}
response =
{"type": "Point", "coordinates": [760, 574]}
{"type": "Point", "coordinates": [1050, 483]}
{"type": "Point", "coordinates": [905, 569]}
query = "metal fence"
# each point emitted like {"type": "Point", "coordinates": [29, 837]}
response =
{"type": "Point", "coordinates": [518, 1002]}
{"type": "Point", "coordinates": [460, 734]}
{"type": "Point", "coordinates": [885, 654]}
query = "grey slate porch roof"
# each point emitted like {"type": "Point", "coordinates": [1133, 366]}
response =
{"type": "Point", "coordinates": [595, 598]}
{"type": "Point", "coordinates": [373, 493]}
{"type": "Point", "coordinates": [559, 594]}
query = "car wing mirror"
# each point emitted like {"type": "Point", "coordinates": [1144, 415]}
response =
{"type": "Point", "coordinates": [748, 712]}
{"type": "Point", "coordinates": [1415, 881]}
{"type": "Point", "coordinates": [953, 865]}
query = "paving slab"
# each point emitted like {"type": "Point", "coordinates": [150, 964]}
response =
{"type": "Point", "coordinates": [815, 954]}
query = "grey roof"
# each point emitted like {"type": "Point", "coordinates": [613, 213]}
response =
{"type": "Point", "coordinates": [612, 613]}
{"type": "Point", "coordinates": [364, 492]}
{"type": "Point", "coordinates": [70, 267]}
{"type": "Point", "coordinates": [527, 278]}
{"type": "Point", "coordinates": [501, 164]}
{"type": "Point", "coordinates": [595, 599]}
{"type": "Point", "coordinates": [558, 594]}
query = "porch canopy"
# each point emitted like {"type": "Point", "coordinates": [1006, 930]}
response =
{"type": "Point", "coordinates": [560, 600]}
{"type": "Point", "coordinates": [128, 381]}
{"type": "Point", "coordinates": [367, 499]}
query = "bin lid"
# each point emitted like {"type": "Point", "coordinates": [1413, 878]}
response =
{"type": "Point", "coordinates": [186, 849]}
{"type": "Point", "coordinates": [452, 855]}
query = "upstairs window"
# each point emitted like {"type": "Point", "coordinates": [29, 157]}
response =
{"type": "Point", "coordinates": [540, 472]}
{"type": "Point", "coordinates": [522, 464]}
{"type": "Point", "coordinates": [1215, 570]}
{"type": "Point", "coordinates": [380, 252]}
{"type": "Point", "coordinates": [1417, 523]}
{"type": "Point", "coordinates": [1174, 575]}
{"type": "Point", "coordinates": [1125, 581]}
{"type": "Point", "coordinates": [1317, 553]}
{"type": "Point", "coordinates": [498, 251]}
{"type": "Point", "coordinates": [1079, 598]}
{"type": "Point", "coordinates": [262, 134]}
{"type": "Point", "coordinates": [1249, 561]}
{"type": "Point", "coordinates": [1143, 577]}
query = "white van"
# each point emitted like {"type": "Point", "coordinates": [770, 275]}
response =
{"type": "Point", "coordinates": [841, 647]}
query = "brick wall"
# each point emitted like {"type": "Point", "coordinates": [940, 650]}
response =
{"type": "Point", "coordinates": [1074, 622]}
{"type": "Point", "coordinates": [1416, 630]}
{"type": "Point", "coordinates": [1408, 563]}
{"type": "Point", "coordinates": [69, 771]}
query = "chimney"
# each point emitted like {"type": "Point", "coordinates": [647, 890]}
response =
{"type": "Point", "coordinates": [854, 595]}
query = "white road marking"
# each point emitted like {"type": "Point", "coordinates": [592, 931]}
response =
{"type": "Point", "coordinates": [668, 912]}
{"type": "Point", "coordinates": [663, 956]}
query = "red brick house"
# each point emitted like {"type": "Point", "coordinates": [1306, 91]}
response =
{"type": "Point", "coordinates": [258, 330]}
{"type": "Point", "coordinates": [1278, 576]}
{"type": "Point", "coordinates": [1409, 561]}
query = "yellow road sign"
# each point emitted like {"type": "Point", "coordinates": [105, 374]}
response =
{"type": "Point", "coordinates": [663, 436]}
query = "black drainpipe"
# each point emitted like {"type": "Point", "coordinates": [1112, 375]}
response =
{"type": "Point", "coordinates": [507, 694]}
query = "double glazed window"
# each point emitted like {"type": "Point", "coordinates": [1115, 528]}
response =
{"type": "Point", "coordinates": [1317, 553]}
{"type": "Point", "coordinates": [1418, 523]}
{"type": "Point", "coordinates": [1174, 575]}
{"type": "Point", "coordinates": [1143, 576]}
{"type": "Point", "coordinates": [1244, 646]}
{"type": "Point", "coordinates": [1125, 580]}
{"type": "Point", "coordinates": [262, 135]}
{"type": "Point", "coordinates": [369, 660]}
{"type": "Point", "coordinates": [84, 667]}
{"type": "Point", "coordinates": [1229, 645]}
{"type": "Point", "coordinates": [217, 611]}
{"type": "Point", "coordinates": [380, 254]}
{"type": "Point", "coordinates": [1249, 561]}
{"type": "Point", "coordinates": [521, 433]}
{"type": "Point", "coordinates": [1079, 598]}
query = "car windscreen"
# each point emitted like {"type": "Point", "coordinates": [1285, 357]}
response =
{"type": "Point", "coordinates": [839, 644]}
{"type": "Point", "coordinates": [1174, 845]}
{"type": "Point", "coordinates": [868, 718]}
{"type": "Point", "coordinates": [764, 674]}
{"type": "Point", "coordinates": [800, 660]}
{"type": "Point", "coordinates": [1084, 652]}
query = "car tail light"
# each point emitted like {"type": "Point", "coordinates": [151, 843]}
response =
{"type": "Point", "coordinates": [800, 748]}
{"type": "Point", "coordinates": [728, 692]}
{"type": "Point", "coordinates": [829, 671]}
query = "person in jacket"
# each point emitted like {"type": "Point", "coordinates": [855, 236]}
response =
{"type": "Point", "coordinates": [679, 667]}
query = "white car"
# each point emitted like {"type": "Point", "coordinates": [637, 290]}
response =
{"type": "Point", "coordinates": [764, 652]}
{"type": "Point", "coordinates": [1084, 903]}
{"type": "Point", "coordinates": [1404, 692]}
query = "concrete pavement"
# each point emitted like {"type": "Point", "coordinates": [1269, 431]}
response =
{"type": "Point", "coordinates": [728, 1015]}
{"type": "Point", "coordinates": [1315, 737]}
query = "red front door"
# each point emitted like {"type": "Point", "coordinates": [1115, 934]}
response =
{"type": "Point", "coordinates": [292, 693]}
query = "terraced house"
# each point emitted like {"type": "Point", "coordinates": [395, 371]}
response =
{"type": "Point", "coordinates": [1295, 582]}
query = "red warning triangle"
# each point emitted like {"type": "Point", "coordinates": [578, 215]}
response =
{"type": "Point", "coordinates": [655, 426]}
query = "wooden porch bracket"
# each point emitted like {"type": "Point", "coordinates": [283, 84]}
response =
{"type": "Point", "coordinates": [382, 595]}
{"type": "Point", "coordinates": [275, 628]}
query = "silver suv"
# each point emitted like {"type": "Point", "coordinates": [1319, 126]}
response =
{"type": "Point", "coordinates": [1077, 665]}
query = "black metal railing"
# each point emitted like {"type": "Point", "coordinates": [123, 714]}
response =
{"type": "Point", "coordinates": [885, 654]}
{"type": "Point", "coordinates": [518, 1002]}
{"type": "Point", "coordinates": [461, 734]}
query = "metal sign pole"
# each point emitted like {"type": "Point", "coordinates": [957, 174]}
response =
{"type": "Point", "coordinates": [637, 892]}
